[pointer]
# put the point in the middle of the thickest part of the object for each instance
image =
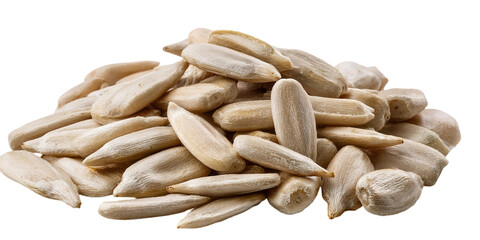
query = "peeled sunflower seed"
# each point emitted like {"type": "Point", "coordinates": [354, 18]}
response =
{"type": "Point", "coordinates": [260, 134]}
{"type": "Point", "coordinates": [417, 134]}
{"type": "Point", "coordinates": [39, 176]}
{"type": "Point", "coordinates": [271, 155]}
{"type": "Point", "coordinates": [150, 176]}
{"type": "Point", "coordinates": [245, 116]}
{"type": "Point", "coordinates": [358, 137]}
{"type": "Point", "coordinates": [80, 103]}
{"type": "Point", "coordinates": [380, 106]}
{"type": "Point", "coordinates": [133, 96]}
{"type": "Point", "coordinates": [176, 48]}
{"type": "Point", "coordinates": [251, 46]}
{"type": "Point", "coordinates": [362, 77]}
{"type": "Point", "coordinates": [441, 123]}
{"type": "Point", "coordinates": [317, 77]}
{"type": "Point", "coordinates": [349, 165]}
{"type": "Point", "coordinates": [133, 146]}
{"type": "Point", "coordinates": [333, 111]}
{"type": "Point", "coordinates": [227, 184]}
{"type": "Point", "coordinates": [199, 35]}
{"type": "Point", "coordinates": [293, 118]}
{"type": "Point", "coordinates": [192, 76]}
{"type": "Point", "coordinates": [149, 111]}
{"type": "Point", "coordinates": [326, 150]}
{"type": "Point", "coordinates": [106, 74]}
{"type": "Point", "coordinates": [204, 141]}
{"type": "Point", "coordinates": [412, 157]}
{"type": "Point", "coordinates": [219, 210]}
{"type": "Point", "coordinates": [404, 103]}
{"type": "Point", "coordinates": [229, 63]}
{"type": "Point", "coordinates": [44, 125]}
{"type": "Point", "coordinates": [90, 182]}
{"type": "Point", "coordinates": [151, 207]}
{"type": "Point", "coordinates": [85, 124]}
{"type": "Point", "coordinates": [389, 191]}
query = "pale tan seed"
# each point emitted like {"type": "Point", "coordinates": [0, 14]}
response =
{"type": "Point", "coordinates": [326, 150]}
{"type": "Point", "coordinates": [192, 76]}
{"type": "Point", "coordinates": [44, 125]}
{"type": "Point", "coordinates": [417, 134]}
{"type": "Point", "coordinates": [362, 77]}
{"type": "Point", "coordinates": [411, 156]}
{"type": "Point", "coordinates": [133, 76]}
{"type": "Point", "coordinates": [441, 123]}
{"type": "Point", "coordinates": [90, 182]}
{"type": "Point", "coordinates": [85, 124]}
{"type": "Point", "coordinates": [245, 116]}
{"type": "Point", "coordinates": [149, 111]}
{"type": "Point", "coordinates": [57, 143]}
{"type": "Point", "coordinates": [347, 112]}
{"type": "Point", "coordinates": [133, 146]}
{"type": "Point", "coordinates": [209, 118]}
{"type": "Point", "coordinates": [247, 91]}
{"type": "Point", "coordinates": [39, 176]}
{"type": "Point", "coordinates": [229, 63]}
{"type": "Point", "coordinates": [252, 46]}
{"type": "Point", "coordinates": [260, 134]}
{"type": "Point", "coordinates": [317, 77]}
{"type": "Point", "coordinates": [220, 210]}
{"type": "Point", "coordinates": [389, 191]}
{"type": "Point", "coordinates": [380, 106]}
{"type": "Point", "coordinates": [204, 141]}
{"type": "Point", "coordinates": [150, 176]}
{"type": "Point", "coordinates": [349, 165]}
{"type": "Point", "coordinates": [80, 103]}
{"type": "Point", "coordinates": [176, 48]}
{"type": "Point", "coordinates": [404, 103]}
{"type": "Point", "coordinates": [199, 35]}
{"type": "Point", "coordinates": [293, 118]}
{"type": "Point", "coordinates": [253, 169]}
{"type": "Point", "coordinates": [133, 96]}
{"type": "Point", "coordinates": [150, 207]}
{"type": "Point", "coordinates": [358, 137]}
{"type": "Point", "coordinates": [227, 184]}
{"type": "Point", "coordinates": [106, 74]}
{"type": "Point", "coordinates": [271, 155]}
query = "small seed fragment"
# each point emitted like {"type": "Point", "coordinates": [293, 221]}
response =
{"type": "Point", "coordinates": [176, 48]}
{"type": "Point", "coordinates": [199, 35]}
{"type": "Point", "coordinates": [349, 165]}
{"type": "Point", "coordinates": [227, 184]}
{"type": "Point", "coordinates": [39, 176]}
{"type": "Point", "coordinates": [389, 191]}
{"type": "Point", "coordinates": [204, 141]}
{"type": "Point", "coordinates": [219, 210]}
{"type": "Point", "coordinates": [229, 63]}
{"type": "Point", "coordinates": [332, 111]}
{"type": "Point", "coordinates": [150, 207]}
{"type": "Point", "coordinates": [362, 77]}
{"type": "Point", "coordinates": [326, 150]}
{"type": "Point", "coordinates": [404, 103]}
{"type": "Point", "coordinates": [358, 137]}
{"type": "Point", "coordinates": [271, 155]}
{"type": "Point", "coordinates": [245, 116]}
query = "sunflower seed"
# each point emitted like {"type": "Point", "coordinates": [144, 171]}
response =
{"type": "Point", "coordinates": [260, 134]}
{"type": "Point", "coordinates": [358, 137]}
{"type": "Point", "coordinates": [332, 111]}
{"type": "Point", "coordinates": [176, 48]}
{"type": "Point", "coordinates": [362, 77]}
{"type": "Point", "coordinates": [326, 150]}
{"type": "Point", "coordinates": [245, 116]}
{"type": "Point", "coordinates": [404, 103]}
{"type": "Point", "coordinates": [149, 111]}
{"type": "Point", "coordinates": [380, 106]}
{"type": "Point", "coordinates": [192, 76]}
{"type": "Point", "coordinates": [199, 35]}
{"type": "Point", "coordinates": [80, 103]}
{"type": "Point", "coordinates": [134, 76]}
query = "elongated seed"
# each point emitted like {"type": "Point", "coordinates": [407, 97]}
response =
{"type": "Point", "coordinates": [245, 116]}
{"type": "Point", "coordinates": [133, 146]}
{"type": "Point", "coordinates": [229, 63]}
{"type": "Point", "coordinates": [362, 77]}
{"type": "Point", "coordinates": [326, 150]}
{"type": "Point", "coordinates": [150, 207]}
{"type": "Point", "coordinates": [220, 210]}
{"type": "Point", "coordinates": [149, 111]}
{"type": "Point", "coordinates": [332, 111]}
{"type": "Point", "coordinates": [150, 176]}
{"type": "Point", "coordinates": [251, 46]}
{"type": "Point", "coordinates": [39, 176]}
{"type": "Point", "coordinates": [380, 106]}
{"type": "Point", "coordinates": [404, 103]}
{"type": "Point", "coordinates": [199, 35]}
{"type": "Point", "coordinates": [176, 48]}
{"type": "Point", "coordinates": [85, 124]}
{"type": "Point", "coordinates": [264, 135]}
{"type": "Point", "coordinates": [192, 76]}
{"type": "Point", "coordinates": [80, 103]}
{"type": "Point", "coordinates": [204, 141]}
{"type": "Point", "coordinates": [133, 76]}
{"type": "Point", "coordinates": [358, 137]}
{"type": "Point", "coordinates": [227, 184]}
{"type": "Point", "coordinates": [271, 155]}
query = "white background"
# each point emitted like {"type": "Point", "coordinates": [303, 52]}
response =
{"type": "Point", "coordinates": [46, 47]}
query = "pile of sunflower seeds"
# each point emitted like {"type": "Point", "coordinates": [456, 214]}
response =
{"type": "Point", "coordinates": [234, 122]}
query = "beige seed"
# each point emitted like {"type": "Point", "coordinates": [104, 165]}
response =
{"type": "Point", "coordinates": [326, 150]}
{"type": "Point", "coordinates": [441, 123]}
{"type": "Point", "coordinates": [39, 176]}
{"type": "Point", "coordinates": [220, 210]}
{"type": "Point", "coordinates": [192, 76]}
{"type": "Point", "coordinates": [245, 116]}
{"type": "Point", "coordinates": [149, 111]}
{"type": "Point", "coordinates": [389, 191]}
{"type": "Point", "coordinates": [404, 103]}
{"type": "Point", "coordinates": [150, 176]}
{"type": "Point", "coordinates": [229, 63]}
{"type": "Point", "coordinates": [208, 117]}
{"type": "Point", "coordinates": [150, 207]}
{"type": "Point", "coordinates": [90, 182]}
{"type": "Point", "coordinates": [204, 141]}
{"type": "Point", "coordinates": [176, 48]}
{"type": "Point", "coordinates": [317, 77]}
{"type": "Point", "coordinates": [412, 157]}
{"type": "Point", "coordinates": [249, 169]}
{"type": "Point", "coordinates": [362, 77]}
{"type": "Point", "coordinates": [260, 134]}
{"type": "Point", "coordinates": [349, 165]}
{"type": "Point", "coordinates": [56, 143]}
{"type": "Point", "coordinates": [271, 155]}
{"type": "Point", "coordinates": [81, 103]}
{"type": "Point", "coordinates": [199, 35]}
{"type": "Point", "coordinates": [247, 91]}
{"type": "Point", "coordinates": [293, 118]}
{"type": "Point", "coordinates": [417, 134]}
{"type": "Point", "coordinates": [380, 105]}
{"type": "Point", "coordinates": [133, 146]}
{"type": "Point", "coordinates": [358, 137]}
{"type": "Point", "coordinates": [347, 112]}
{"type": "Point", "coordinates": [134, 76]}
{"type": "Point", "coordinates": [251, 46]}
{"type": "Point", "coordinates": [106, 74]}
{"type": "Point", "coordinates": [85, 124]}
{"type": "Point", "coordinates": [44, 125]}
{"type": "Point", "coordinates": [133, 96]}
{"type": "Point", "coordinates": [227, 184]}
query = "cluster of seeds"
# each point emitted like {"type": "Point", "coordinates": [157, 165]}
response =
{"type": "Point", "coordinates": [234, 122]}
